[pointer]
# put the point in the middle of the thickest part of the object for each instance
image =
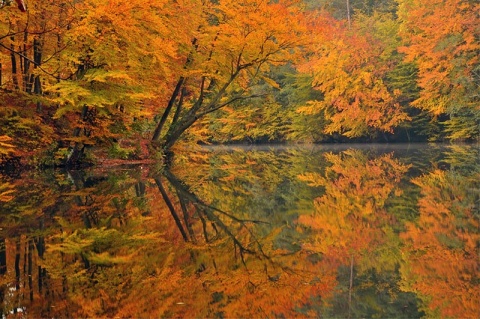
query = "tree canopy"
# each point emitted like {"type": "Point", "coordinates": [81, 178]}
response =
{"type": "Point", "coordinates": [88, 79]}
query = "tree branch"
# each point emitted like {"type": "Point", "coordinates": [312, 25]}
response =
{"type": "Point", "coordinates": [33, 62]}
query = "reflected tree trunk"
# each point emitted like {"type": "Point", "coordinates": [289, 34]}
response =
{"type": "Point", "coordinates": [30, 248]}
{"type": "Point", "coordinates": [186, 218]}
{"type": "Point", "coordinates": [3, 271]}
{"type": "Point", "coordinates": [40, 244]}
{"type": "Point", "coordinates": [349, 15]}
{"type": "Point", "coordinates": [208, 214]}
{"type": "Point", "coordinates": [140, 191]}
{"type": "Point", "coordinates": [3, 256]}
{"type": "Point", "coordinates": [171, 208]}
{"type": "Point", "coordinates": [17, 273]}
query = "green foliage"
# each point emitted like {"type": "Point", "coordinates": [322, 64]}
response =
{"type": "Point", "coordinates": [464, 123]}
{"type": "Point", "coordinates": [116, 151]}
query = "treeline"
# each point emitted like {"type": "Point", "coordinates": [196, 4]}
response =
{"type": "Point", "coordinates": [119, 77]}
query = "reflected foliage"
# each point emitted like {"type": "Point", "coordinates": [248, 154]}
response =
{"type": "Point", "coordinates": [232, 232]}
{"type": "Point", "coordinates": [442, 244]}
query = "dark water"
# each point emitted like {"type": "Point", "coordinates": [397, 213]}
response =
{"type": "Point", "coordinates": [349, 231]}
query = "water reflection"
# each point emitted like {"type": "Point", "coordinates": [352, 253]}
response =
{"type": "Point", "coordinates": [275, 232]}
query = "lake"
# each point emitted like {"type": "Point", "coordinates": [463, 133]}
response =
{"type": "Point", "coordinates": [341, 231]}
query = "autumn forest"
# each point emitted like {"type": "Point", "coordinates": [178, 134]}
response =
{"type": "Point", "coordinates": [239, 159]}
{"type": "Point", "coordinates": [86, 80]}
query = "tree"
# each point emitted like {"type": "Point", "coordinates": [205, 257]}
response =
{"type": "Point", "coordinates": [441, 245]}
{"type": "Point", "coordinates": [78, 76]}
{"type": "Point", "coordinates": [122, 55]}
{"type": "Point", "coordinates": [441, 37]}
{"type": "Point", "coordinates": [349, 67]}
{"type": "Point", "coordinates": [235, 43]}
{"type": "Point", "coordinates": [351, 229]}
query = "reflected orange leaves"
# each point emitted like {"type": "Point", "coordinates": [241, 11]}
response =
{"type": "Point", "coordinates": [349, 218]}
{"type": "Point", "coordinates": [442, 246]}
{"type": "Point", "coordinates": [229, 290]}
{"type": "Point", "coordinates": [216, 244]}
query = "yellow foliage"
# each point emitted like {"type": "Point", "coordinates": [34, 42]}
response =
{"type": "Point", "coordinates": [6, 192]}
{"type": "Point", "coordinates": [5, 146]}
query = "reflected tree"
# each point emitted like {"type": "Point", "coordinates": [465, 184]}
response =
{"type": "Point", "coordinates": [237, 269]}
{"type": "Point", "coordinates": [441, 245]}
{"type": "Point", "coordinates": [240, 229]}
{"type": "Point", "coordinates": [354, 233]}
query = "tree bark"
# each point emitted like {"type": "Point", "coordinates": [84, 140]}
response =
{"type": "Point", "coordinates": [13, 60]}
{"type": "Point", "coordinates": [3, 256]}
{"type": "Point", "coordinates": [166, 113]}
{"type": "Point", "coordinates": [348, 14]}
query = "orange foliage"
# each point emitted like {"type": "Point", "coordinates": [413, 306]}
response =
{"type": "Point", "coordinates": [349, 218]}
{"type": "Point", "coordinates": [442, 247]}
{"type": "Point", "coordinates": [442, 38]}
{"type": "Point", "coordinates": [347, 68]}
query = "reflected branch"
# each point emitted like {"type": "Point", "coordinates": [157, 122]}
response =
{"type": "Point", "coordinates": [186, 219]}
{"type": "Point", "coordinates": [208, 213]}
{"type": "Point", "coordinates": [171, 208]}
{"type": "Point", "coordinates": [185, 195]}
{"type": "Point", "coordinates": [182, 190]}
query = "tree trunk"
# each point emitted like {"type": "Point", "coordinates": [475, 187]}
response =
{"type": "Point", "coordinates": [25, 65]}
{"type": "Point", "coordinates": [3, 256]}
{"type": "Point", "coordinates": [30, 248]}
{"type": "Point", "coordinates": [176, 130]}
{"type": "Point", "coordinates": [37, 59]}
{"type": "Point", "coordinates": [13, 60]}
{"type": "Point", "coordinates": [159, 128]}
{"type": "Point", "coordinates": [76, 152]}
{"type": "Point", "coordinates": [348, 14]}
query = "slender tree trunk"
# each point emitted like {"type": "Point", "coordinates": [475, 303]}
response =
{"type": "Point", "coordinates": [173, 135]}
{"type": "Point", "coordinates": [350, 288]}
{"type": "Point", "coordinates": [348, 14]}
{"type": "Point", "coordinates": [37, 58]}
{"type": "Point", "coordinates": [13, 60]}
{"type": "Point", "coordinates": [193, 114]}
{"type": "Point", "coordinates": [40, 244]}
{"type": "Point", "coordinates": [186, 219]}
{"type": "Point", "coordinates": [3, 256]}
{"type": "Point", "coordinates": [17, 274]}
{"type": "Point", "coordinates": [176, 116]}
{"type": "Point", "coordinates": [25, 65]}
{"type": "Point", "coordinates": [140, 189]}
{"type": "Point", "coordinates": [76, 151]}
{"type": "Point", "coordinates": [30, 268]}
{"type": "Point", "coordinates": [158, 130]}
{"type": "Point", "coordinates": [17, 263]}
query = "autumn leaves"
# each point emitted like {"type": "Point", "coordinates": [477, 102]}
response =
{"type": "Point", "coordinates": [357, 69]}
{"type": "Point", "coordinates": [286, 70]}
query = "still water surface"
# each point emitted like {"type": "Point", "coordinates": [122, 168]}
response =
{"type": "Point", "coordinates": [337, 232]}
